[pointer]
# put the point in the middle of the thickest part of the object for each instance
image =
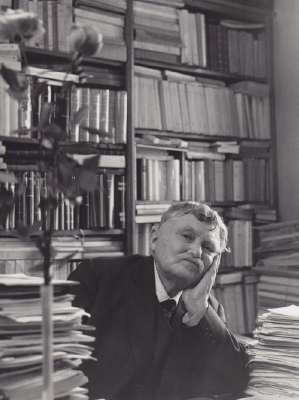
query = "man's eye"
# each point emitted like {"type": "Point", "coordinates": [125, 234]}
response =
{"type": "Point", "coordinates": [209, 249]}
{"type": "Point", "coordinates": [187, 236]}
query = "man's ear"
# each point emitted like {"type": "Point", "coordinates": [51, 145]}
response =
{"type": "Point", "coordinates": [153, 237]}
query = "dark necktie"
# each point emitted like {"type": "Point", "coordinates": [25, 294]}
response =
{"type": "Point", "coordinates": [168, 307]}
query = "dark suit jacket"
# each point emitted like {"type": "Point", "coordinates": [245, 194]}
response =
{"type": "Point", "coordinates": [139, 355]}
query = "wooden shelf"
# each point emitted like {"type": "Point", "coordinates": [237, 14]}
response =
{"type": "Point", "coordinates": [203, 72]}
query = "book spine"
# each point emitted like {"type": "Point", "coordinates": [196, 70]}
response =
{"type": "Point", "coordinates": [110, 199]}
{"type": "Point", "coordinates": [94, 113]}
{"type": "Point", "coordinates": [121, 117]}
{"type": "Point", "coordinates": [75, 104]}
{"type": "Point", "coordinates": [30, 198]}
{"type": "Point", "coordinates": [120, 202]}
{"type": "Point", "coordinates": [83, 133]}
{"type": "Point", "coordinates": [104, 111]}
{"type": "Point", "coordinates": [112, 116]}
{"type": "Point", "coordinates": [61, 25]}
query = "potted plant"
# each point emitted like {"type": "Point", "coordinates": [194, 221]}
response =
{"type": "Point", "coordinates": [64, 174]}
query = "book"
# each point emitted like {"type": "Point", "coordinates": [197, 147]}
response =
{"type": "Point", "coordinates": [105, 160]}
{"type": "Point", "coordinates": [174, 50]}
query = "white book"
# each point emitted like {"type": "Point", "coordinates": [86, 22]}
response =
{"type": "Point", "coordinates": [107, 19]}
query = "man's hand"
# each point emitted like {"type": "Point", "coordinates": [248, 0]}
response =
{"type": "Point", "coordinates": [195, 298]}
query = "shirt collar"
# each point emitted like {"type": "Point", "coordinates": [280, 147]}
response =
{"type": "Point", "coordinates": [160, 289]}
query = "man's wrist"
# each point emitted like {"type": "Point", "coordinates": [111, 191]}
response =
{"type": "Point", "coordinates": [193, 320]}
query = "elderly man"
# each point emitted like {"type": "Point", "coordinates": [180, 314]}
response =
{"type": "Point", "coordinates": [147, 348]}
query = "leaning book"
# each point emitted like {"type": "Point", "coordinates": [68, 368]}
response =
{"type": "Point", "coordinates": [21, 340]}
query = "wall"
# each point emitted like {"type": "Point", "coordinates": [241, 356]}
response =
{"type": "Point", "coordinates": [286, 70]}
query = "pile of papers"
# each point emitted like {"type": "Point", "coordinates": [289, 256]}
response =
{"type": "Point", "coordinates": [21, 352]}
{"type": "Point", "coordinates": [274, 360]}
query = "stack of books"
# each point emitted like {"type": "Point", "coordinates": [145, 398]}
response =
{"type": "Point", "coordinates": [278, 261]}
{"type": "Point", "coordinates": [157, 33]}
{"type": "Point", "coordinates": [22, 256]}
{"type": "Point", "coordinates": [274, 358]}
{"type": "Point", "coordinates": [21, 350]}
{"type": "Point", "coordinates": [107, 22]}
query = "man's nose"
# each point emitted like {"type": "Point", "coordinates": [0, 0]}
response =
{"type": "Point", "coordinates": [196, 249]}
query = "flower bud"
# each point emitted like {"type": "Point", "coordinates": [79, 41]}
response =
{"type": "Point", "coordinates": [85, 40]}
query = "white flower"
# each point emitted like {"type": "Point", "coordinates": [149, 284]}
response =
{"type": "Point", "coordinates": [19, 25]}
{"type": "Point", "coordinates": [85, 40]}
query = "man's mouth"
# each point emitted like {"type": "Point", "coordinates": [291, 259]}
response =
{"type": "Point", "coordinates": [197, 263]}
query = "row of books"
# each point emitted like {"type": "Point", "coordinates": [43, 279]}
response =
{"type": "Point", "coordinates": [22, 343]}
{"type": "Point", "coordinates": [254, 212]}
{"type": "Point", "coordinates": [277, 263]}
{"type": "Point", "coordinates": [156, 28]}
{"type": "Point", "coordinates": [161, 178]}
{"type": "Point", "coordinates": [240, 239]}
{"type": "Point", "coordinates": [22, 256]}
{"type": "Point", "coordinates": [101, 208]}
{"type": "Point", "coordinates": [237, 48]}
{"type": "Point", "coordinates": [178, 36]}
{"type": "Point", "coordinates": [105, 111]}
{"type": "Point", "coordinates": [181, 103]}
{"type": "Point", "coordinates": [237, 292]}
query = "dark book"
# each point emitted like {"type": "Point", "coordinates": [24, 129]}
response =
{"type": "Point", "coordinates": [156, 56]}
{"type": "Point", "coordinates": [120, 201]}
{"type": "Point", "coordinates": [37, 194]}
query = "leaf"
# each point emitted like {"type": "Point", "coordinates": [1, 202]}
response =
{"type": "Point", "coordinates": [80, 115]}
{"type": "Point", "coordinates": [60, 263]}
{"type": "Point", "coordinates": [87, 180]}
{"type": "Point", "coordinates": [39, 88]}
{"type": "Point", "coordinates": [43, 166]}
{"type": "Point", "coordinates": [20, 188]}
{"type": "Point", "coordinates": [23, 131]}
{"type": "Point", "coordinates": [54, 131]}
{"type": "Point", "coordinates": [45, 113]}
{"type": "Point", "coordinates": [97, 132]}
{"type": "Point", "coordinates": [39, 267]}
{"type": "Point", "coordinates": [22, 231]}
{"type": "Point", "coordinates": [7, 177]}
{"type": "Point", "coordinates": [6, 196]}
{"type": "Point", "coordinates": [65, 176]}
{"type": "Point", "coordinates": [48, 204]}
{"type": "Point", "coordinates": [91, 164]}
{"type": "Point", "coordinates": [65, 89]}
{"type": "Point", "coordinates": [4, 212]}
{"type": "Point", "coordinates": [10, 77]}
{"type": "Point", "coordinates": [35, 227]}
{"type": "Point", "coordinates": [47, 144]}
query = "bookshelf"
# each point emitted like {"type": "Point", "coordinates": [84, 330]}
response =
{"type": "Point", "coordinates": [223, 144]}
{"type": "Point", "coordinates": [220, 149]}
{"type": "Point", "coordinates": [100, 83]}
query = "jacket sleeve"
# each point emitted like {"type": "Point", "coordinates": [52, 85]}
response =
{"type": "Point", "coordinates": [88, 278]}
{"type": "Point", "coordinates": [226, 358]}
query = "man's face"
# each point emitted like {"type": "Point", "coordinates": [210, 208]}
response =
{"type": "Point", "coordinates": [184, 249]}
